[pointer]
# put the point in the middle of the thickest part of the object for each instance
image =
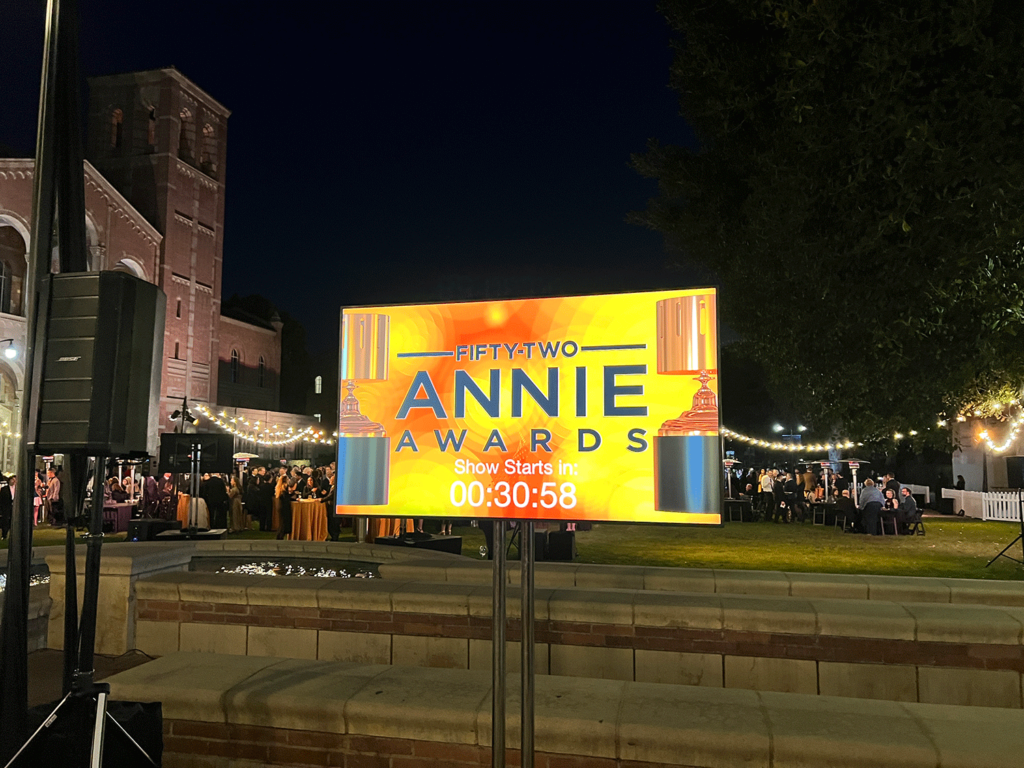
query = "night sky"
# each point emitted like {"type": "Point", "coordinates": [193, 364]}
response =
{"type": "Point", "coordinates": [395, 152]}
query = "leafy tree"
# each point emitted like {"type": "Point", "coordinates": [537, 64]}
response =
{"type": "Point", "coordinates": [859, 193]}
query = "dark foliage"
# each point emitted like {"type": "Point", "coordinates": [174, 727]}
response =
{"type": "Point", "coordinates": [860, 194]}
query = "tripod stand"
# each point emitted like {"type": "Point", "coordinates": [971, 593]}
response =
{"type": "Point", "coordinates": [1020, 536]}
{"type": "Point", "coordinates": [86, 699]}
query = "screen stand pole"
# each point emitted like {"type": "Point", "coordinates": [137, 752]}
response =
{"type": "Point", "coordinates": [527, 557]}
{"type": "Point", "coordinates": [193, 507]}
{"type": "Point", "coordinates": [498, 649]}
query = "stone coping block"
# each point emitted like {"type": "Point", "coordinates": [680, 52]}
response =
{"type": "Point", "coordinates": [132, 557]}
{"type": "Point", "coordinates": [581, 608]}
{"type": "Point", "coordinates": [918, 589]}
{"type": "Point", "coordinates": [603, 719]}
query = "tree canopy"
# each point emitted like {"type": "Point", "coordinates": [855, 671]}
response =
{"type": "Point", "coordinates": [859, 194]}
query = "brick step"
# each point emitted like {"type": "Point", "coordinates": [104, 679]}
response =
{"type": "Point", "coordinates": [239, 710]}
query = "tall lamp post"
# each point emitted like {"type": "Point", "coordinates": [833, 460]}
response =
{"type": "Point", "coordinates": [795, 434]}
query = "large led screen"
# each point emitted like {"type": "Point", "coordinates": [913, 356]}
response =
{"type": "Point", "coordinates": [572, 408]}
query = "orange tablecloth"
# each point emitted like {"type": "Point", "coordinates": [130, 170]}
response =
{"type": "Point", "coordinates": [183, 500]}
{"type": "Point", "coordinates": [183, 508]}
{"type": "Point", "coordinates": [389, 526]}
{"type": "Point", "coordinates": [309, 520]}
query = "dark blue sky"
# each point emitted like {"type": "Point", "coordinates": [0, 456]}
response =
{"type": "Point", "coordinates": [387, 151]}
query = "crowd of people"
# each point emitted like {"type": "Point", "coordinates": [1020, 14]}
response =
{"type": "Point", "coordinates": [235, 502]}
{"type": "Point", "coordinates": [782, 495]}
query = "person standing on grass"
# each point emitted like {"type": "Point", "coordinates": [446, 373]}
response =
{"type": "Point", "coordinates": [767, 499]}
{"type": "Point", "coordinates": [51, 501]}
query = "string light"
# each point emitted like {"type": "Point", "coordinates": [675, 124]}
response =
{"type": "Point", "coordinates": [264, 436]}
{"type": "Point", "coordinates": [1011, 435]}
{"type": "Point", "coordinates": [789, 447]}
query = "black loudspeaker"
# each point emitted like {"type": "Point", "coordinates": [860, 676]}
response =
{"type": "Point", "coordinates": [1015, 471]}
{"type": "Point", "coordinates": [100, 377]}
{"type": "Point", "coordinates": [147, 530]}
{"type": "Point", "coordinates": [540, 545]}
{"type": "Point", "coordinates": [216, 452]}
{"type": "Point", "coordinates": [561, 545]}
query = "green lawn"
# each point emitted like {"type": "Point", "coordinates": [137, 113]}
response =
{"type": "Point", "coordinates": [954, 547]}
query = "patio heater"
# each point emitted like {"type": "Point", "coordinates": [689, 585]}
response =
{"type": "Point", "coordinates": [729, 464]}
{"type": "Point", "coordinates": [854, 465]}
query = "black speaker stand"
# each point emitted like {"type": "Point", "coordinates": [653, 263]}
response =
{"type": "Point", "coordinates": [1020, 536]}
{"type": "Point", "coordinates": [86, 696]}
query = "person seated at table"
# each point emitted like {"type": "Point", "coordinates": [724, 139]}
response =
{"type": "Point", "coordinates": [839, 484]}
{"type": "Point", "coordinates": [845, 506]}
{"type": "Point", "coordinates": [908, 513]}
{"type": "Point", "coordinates": [891, 507]}
{"type": "Point", "coordinates": [117, 493]}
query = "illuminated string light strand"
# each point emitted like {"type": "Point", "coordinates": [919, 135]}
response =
{"type": "Point", "coordinates": [1015, 425]}
{"type": "Point", "coordinates": [265, 436]}
{"type": "Point", "coordinates": [789, 447]}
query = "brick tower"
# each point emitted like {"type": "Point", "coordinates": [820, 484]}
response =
{"type": "Point", "coordinates": [161, 141]}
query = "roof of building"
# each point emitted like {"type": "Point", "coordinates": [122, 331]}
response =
{"type": "Point", "coordinates": [242, 316]}
{"type": "Point", "coordinates": [173, 72]}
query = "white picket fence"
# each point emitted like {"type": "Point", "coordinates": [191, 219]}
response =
{"type": "Point", "coordinates": [1001, 505]}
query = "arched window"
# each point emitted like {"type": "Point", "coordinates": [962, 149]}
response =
{"type": "Point", "coordinates": [177, 345]}
{"type": "Point", "coordinates": [208, 160]}
{"type": "Point", "coordinates": [262, 372]}
{"type": "Point", "coordinates": [151, 129]}
{"type": "Point", "coordinates": [116, 124]}
{"type": "Point", "coordinates": [234, 366]}
{"type": "Point", "coordinates": [318, 385]}
{"type": "Point", "coordinates": [187, 135]}
{"type": "Point", "coordinates": [177, 311]}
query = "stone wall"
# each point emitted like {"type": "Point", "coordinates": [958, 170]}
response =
{"type": "Point", "coordinates": [918, 652]}
{"type": "Point", "coordinates": [238, 711]}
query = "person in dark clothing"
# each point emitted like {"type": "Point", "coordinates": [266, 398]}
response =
{"type": "Point", "coordinates": [793, 501]}
{"type": "Point", "coordinates": [907, 513]}
{"type": "Point", "coordinates": [961, 484]}
{"type": "Point", "coordinates": [779, 498]}
{"type": "Point", "coordinates": [253, 498]}
{"type": "Point", "coordinates": [845, 506]}
{"type": "Point", "coordinates": [267, 483]}
{"type": "Point", "coordinates": [840, 483]}
{"type": "Point", "coordinates": [6, 504]}
{"type": "Point", "coordinates": [215, 494]}
{"type": "Point", "coordinates": [891, 484]}
{"type": "Point", "coordinates": [284, 507]}
{"type": "Point", "coordinates": [330, 496]}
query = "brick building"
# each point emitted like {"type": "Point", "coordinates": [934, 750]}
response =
{"type": "Point", "coordinates": [154, 182]}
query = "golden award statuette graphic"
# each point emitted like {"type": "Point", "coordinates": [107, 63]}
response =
{"type": "Point", "coordinates": [566, 408]}
{"type": "Point", "coordinates": [364, 449]}
{"type": "Point", "coordinates": [687, 448]}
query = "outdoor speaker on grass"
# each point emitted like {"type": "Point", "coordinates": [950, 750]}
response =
{"type": "Point", "coordinates": [100, 377]}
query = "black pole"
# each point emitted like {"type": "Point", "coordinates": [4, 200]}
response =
{"type": "Point", "coordinates": [91, 588]}
{"type": "Point", "coordinates": [14, 625]}
{"type": "Point", "coordinates": [78, 478]}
